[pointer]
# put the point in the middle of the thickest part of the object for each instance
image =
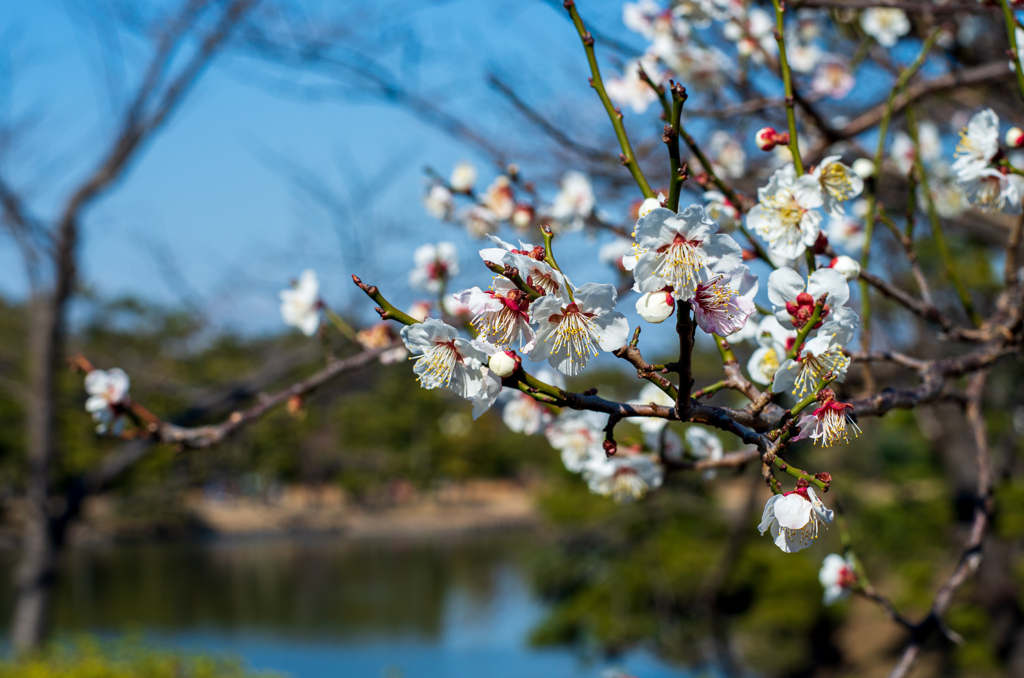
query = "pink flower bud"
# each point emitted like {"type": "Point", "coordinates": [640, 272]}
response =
{"type": "Point", "coordinates": [1015, 137]}
{"type": "Point", "coordinates": [766, 138]}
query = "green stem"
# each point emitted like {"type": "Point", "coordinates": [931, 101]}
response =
{"type": "Point", "coordinates": [516, 279]}
{"type": "Point", "coordinates": [677, 177]}
{"type": "Point", "coordinates": [787, 83]}
{"type": "Point", "coordinates": [725, 350]}
{"type": "Point", "coordinates": [711, 390]}
{"type": "Point", "coordinates": [628, 157]}
{"type": "Point", "coordinates": [803, 332]}
{"type": "Point", "coordinates": [549, 256]}
{"type": "Point", "coordinates": [1011, 26]}
{"type": "Point", "coordinates": [938, 235]}
{"type": "Point", "coordinates": [384, 307]}
{"type": "Point", "coordinates": [799, 474]}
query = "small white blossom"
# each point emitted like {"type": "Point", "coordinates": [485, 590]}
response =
{"type": "Point", "coordinates": [720, 210]}
{"type": "Point", "coordinates": [463, 177]}
{"type": "Point", "coordinates": [570, 331]}
{"type": "Point", "coordinates": [817, 357]}
{"type": "Point", "coordinates": [630, 89]}
{"type": "Point", "coordinates": [847, 267]}
{"type": "Point", "coordinates": [979, 143]}
{"type": "Point", "coordinates": [990, 189]}
{"type": "Point", "coordinates": [723, 302]}
{"type": "Point", "coordinates": [624, 477]}
{"type": "Point", "coordinates": [443, 359]}
{"type": "Point", "coordinates": [838, 576]}
{"type": "Point", "coordinates": [108, 392]}
{"type": "Point", "coordinates": [833, 79]}
{"type": "Point", "coordinates": [499, 198]}
{"type": "Point", "coordinates": [794, 305]}
{"type": "Point", "coordinates": [439, 202]}
{"type": "Point", "coordinates": [793, 519]}
{"type": "Point", "coordinates": [579, 436]}
{"type": "Point", "coordinates": [500, 314]}
{"type": "Point", "coordinates": [829, 423]}
{"type": "Point", "coordinates": [300, 305]}
{"type": "Point", "coordinates": [435, 265]}
{"type": "Point", "coordinates": [885, 24]}
{"type": "Point", "coordinates": [774, 343]}
{"type": "Point", "coordinates": [574, 202]}
{"type": "Point", "coordinates": [838, 182]}
{"type": "Point", "coordinates": [786, 214]}
{"type": "Point", "coordinates": [679, 248]}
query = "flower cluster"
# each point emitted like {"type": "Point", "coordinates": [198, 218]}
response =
{"type": "Point", "coordinates": [986, 182]}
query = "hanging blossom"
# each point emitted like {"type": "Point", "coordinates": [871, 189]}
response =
{"type": "Point", "coordinates": [435, 265]}
{"type": "Point", "coordinates": [500, 314]}
{"type": "Point", "coordinates": [574, 202]}
{"type": "Point", "coordinates": [774, 343]}
{"type": "Point", "coordinates": [794, 305]}
{"type": "Point", "coordinates": [793, 518]}
{"type": "Point", "coordinates": [651, 394]}
{"type": "Point", "coordinates": [723, 302]}
{"type": "Point", "coordinates": [979, 143]}
{"type": "Point", "coordinates": [300, 304]}
{"type": "Point", "coordinates": [678, 248]}
{"type": "Point", "coordinates": [579, 436]}
{"type": "Point", "coordinates": [830, 423]}
{"type": "Point", "coordinates": [108, 394]}
{"type": "Point", "coordinates": [571, 330]}
{"type": "Point", "coordinates": [443, 359]}
{"type": "Point", "coordinates": [818, 357]}
{"type": "Point", "coordinates": [630, 89]}
{"type": "Point", "coordinates": [838, 576]}
{"type": "Point", "coordinates": [786, 214]}
{"type": "Point", "coordinates": [525, 414]}
{"type": "Point", "coordinates": [624, 477]}
{"type": "Point", "coordinates": [885, 24]}
{"type": "Point", "coordinates": [838, 182]}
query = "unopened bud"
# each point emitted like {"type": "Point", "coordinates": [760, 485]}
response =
{"type": "Point", "coordinates": [655, 307]}
{"type": "Point", "coordinates": [1015, 137]}
{"type": "Point", "coordinates": [847, 266]}
{"type": "Point", "coordinates": [647, 206]}
{"type": "Point", "coordinates": [503, 363]}
{"type": "Point", "coordinates": [863, 167]}
{"type": "Point", "coordinates": [766, 138]}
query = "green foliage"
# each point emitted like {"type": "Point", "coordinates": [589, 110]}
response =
{"type": "Point", "coordinates": [88, 658]}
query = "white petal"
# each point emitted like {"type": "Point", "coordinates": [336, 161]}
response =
{"type": "Point", "coordinates": [784, 284]}
{"type": "Point", "coordinates": [596, 298]}
{"type": "Point", "coordinates": [613, 331]}
{"type": "Point", "coordinates": [792, 511]}
{"type": "Point", "coordinates": [830, 281]}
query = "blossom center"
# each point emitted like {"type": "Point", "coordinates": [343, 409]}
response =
{"type": "Point", "coordinates": [440, 363]}
{"type": "Point", "coordinates": [576, 332]}
{"type": "Point", "coordinates": [680, 262]}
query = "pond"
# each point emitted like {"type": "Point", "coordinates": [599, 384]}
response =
{"type": "Point", "coordinates": [323, 606]}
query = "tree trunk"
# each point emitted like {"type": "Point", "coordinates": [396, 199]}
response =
{"type": "Point", "coordinates": [40, 543]}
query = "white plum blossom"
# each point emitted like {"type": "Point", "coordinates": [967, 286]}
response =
{"type": "Point", "coordinates": [108, 393]}
{"type": "Point", "coordinates": [630, 89]}
{"type": "Point", "coordinates": [833, 79]}
{"type": "Point", "coordinates": [579, 436]}
{"type": "Point", "coordinates": [979, 143]}
{"type": "Point", "coordinates": [723, 302]}
{"type": "Point", "coordinates": [499, 198]}
{"type": "Point", "coordinates": [793, 519]}
{"type": "Point", "coordinates": [838, 576]}
{"type": "Point", "coordinates": [463, 177]}
{"type": "Point", "coordinates": [500, 314]}
{"type": "Point", "coordinates": [885, 24]}
{"type": "Point", "coordinates": [991, 189]}
{"type": "Point", "coordinates": [704, 445]}
{"type": "Point", "coordinates": [786, 214]}
{"type": "Point", "coordinates": [478, 220]}
{"type": "Point", "coordinates": [435, 265]}
{"type": "Point", "coordinates": [902, 150]}
{"type": "Point", "coordinates": [847, 266]}
{"type": "Point", "coordinates": [443, 359]}
{"type": "Point", "coordinates": [838, 182]}
{"type": "Point", "coordinates": [489, 391]}
{"type": "Point", "coordinates": [439, 202]}
{"type": "Point", "coordinates": [300, 304]}
{"type": "Point", "coordinates": [574, 202]}
{"type": "Point", "coordinates": [649, 205]}
{"type": "Point", "coordinates": [721, 210]}
{"type": "Point", "coordinates": [747, 332]}
{"type": "Point", "coordinates": [793, 304]}
{"type": "Point", "coordinates": [570, 331]}
{"type": "Point", "coordinates": [643, 16]}
{"type": "Point", "coordinates": [774, 342]}
{"type": "Point", "coordinates": [624, 477]}
{"type": "Point", "coordinates": [817, 357]}
{"type": "Point", "coordinates": [727, 155]}
{"type": "Point", "coordinates": [525, 414]}
{"type": "Point", "coordinates": [829, 423]}
{"type": "Point", "coordinates": [679, 248]}
{"type": "Point", "coordinates": [651, 394]}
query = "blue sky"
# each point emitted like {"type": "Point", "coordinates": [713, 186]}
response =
{"type": "Point", "coordinates": [209, 212]}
